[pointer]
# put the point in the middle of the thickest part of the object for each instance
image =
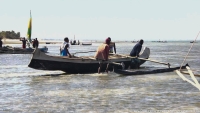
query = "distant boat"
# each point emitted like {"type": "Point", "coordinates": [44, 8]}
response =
{"type": "Point", "coordinates": [134, 41]}
{"type": "Point", "coordinates": [74, 42]}
{"type": "Point", "coordinates": [160, 41]}
{"type": "Point", "coordinates": [86, 43]}
{"type": "Point", "coordinates": [193, 42]}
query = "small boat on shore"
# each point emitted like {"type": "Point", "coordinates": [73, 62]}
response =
{"type": "Point", "coordinates": [85, 64]}
{"type": "Point", "coordinates": [17, 50]}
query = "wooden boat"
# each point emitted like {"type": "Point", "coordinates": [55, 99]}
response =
{"type": "Point", "coordinates": [128, 72]}
{"type": "Point", "coordinates": [86, 64]}
{"type": "Point", "coordinates": [193, 42]}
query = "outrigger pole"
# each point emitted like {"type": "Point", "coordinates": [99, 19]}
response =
{"type": "Point", "coordinates": [188, 52]}
{"type": "Point", "coordinates": [195, 83]}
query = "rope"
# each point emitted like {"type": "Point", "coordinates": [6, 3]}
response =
{"type": "Point", "coordinates": [188, 52]}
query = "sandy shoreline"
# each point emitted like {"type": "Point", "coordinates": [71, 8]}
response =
{"type": "Point", "coordinates": [16, 41]}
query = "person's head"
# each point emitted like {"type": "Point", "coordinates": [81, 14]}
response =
{"type": "Point", "coordinates": [141, 41]}
{"type": "Point", "coordinates": [109, 38]}
{"type": "Point", "coordinates": [35, 38]}
{"type": "Point", "coordinates": [107, 41]}
{"type": "Point", "coordinates": [66, 39]}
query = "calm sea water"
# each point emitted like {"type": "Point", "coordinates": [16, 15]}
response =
{"type": "Point", "coordinates": [23, 89]}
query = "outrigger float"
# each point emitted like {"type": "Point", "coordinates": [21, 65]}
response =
{"type": "Point", "coordinates": [132, 73]}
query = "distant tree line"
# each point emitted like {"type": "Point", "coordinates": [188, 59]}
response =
{"type": "Point", "coordinates": [10, 34]}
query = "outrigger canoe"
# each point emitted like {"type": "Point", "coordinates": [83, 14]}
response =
{"type": "Point", "coordinates": [85, 64]}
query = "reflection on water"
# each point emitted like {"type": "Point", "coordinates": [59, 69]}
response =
{"type": "Point", "coordinates": [27, 90]}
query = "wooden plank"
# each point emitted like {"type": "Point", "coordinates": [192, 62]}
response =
{"type": "Point", "coordinates": [147, 60]}
{"type": "Point", "coordinates": [192, 75]}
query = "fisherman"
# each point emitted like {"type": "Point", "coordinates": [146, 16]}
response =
{"type": "Point", "coordinates": [23, 42]}
{"type": "Point", "coordinates": [64, 48]}
{"type": "Point", "coordinates": [112, 46]}
{"type": "Point", "coordinates": [1, 43]}
{"type": "Point", "coordinates": [36, 43]}
{"type": "Point", "coordinates": [135, 52]}
{"type": "Point", "coordinates": [102, 54]}
{"type": "Point", "coordinates": [137, 48]}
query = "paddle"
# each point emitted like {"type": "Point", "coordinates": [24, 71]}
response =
{"type": "Point", "coordinates": [146, 60]}
{"type": "Point", "coordinates": [121, 64]}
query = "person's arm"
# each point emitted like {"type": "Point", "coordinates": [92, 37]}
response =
{"type": "Point", "coordinates": [138, 51]}
{"type": "Point", "coordinates": [66, 47]}
{"type": "Point", "coordinates": [106, 52]}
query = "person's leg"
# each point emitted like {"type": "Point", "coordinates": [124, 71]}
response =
{"type": "Point", "coordinates": [99, 69]}
{"type": "Point", "coordinates": [137, 63]}
{"type": "Point", "coordinates": [107, 67]}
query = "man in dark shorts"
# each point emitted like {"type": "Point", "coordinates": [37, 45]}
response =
{"type": "Point", "coordinates": [102, 54]}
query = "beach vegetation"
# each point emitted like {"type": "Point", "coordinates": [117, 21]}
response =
{"type": "Point", "coordinates": [10, 34]}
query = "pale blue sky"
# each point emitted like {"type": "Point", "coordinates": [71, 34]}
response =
{"type": "Point", "coordinates": [98, 19]}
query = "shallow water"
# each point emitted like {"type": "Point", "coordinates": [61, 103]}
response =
{"type": "Point", "coordinates": [28, 90]}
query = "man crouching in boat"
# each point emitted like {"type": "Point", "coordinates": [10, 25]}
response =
{"type": "Point", "coordinates": [135, 53]}
{"type": "Point", "coordinates": [112, 47]}
{"type": "Point", "coordinates": [64, 48]}
{"type": "Point", "coordinates": [102, 54]}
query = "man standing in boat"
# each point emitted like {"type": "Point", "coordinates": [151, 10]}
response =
{"type": "Point", "coordinates": [102, 54]}
{"type": "Point", "coordinates": [135, 53]}
{"type": "Point", "coordinates": [1, 43]}
{"type": "Point", "coordinates": [112, 46]}
{"type": "Point", "coordinates": [64, 48]}
{"type": "Point", "coordinates": [36, 43]}
{"type": "Point", "coordinates": [23, 43]}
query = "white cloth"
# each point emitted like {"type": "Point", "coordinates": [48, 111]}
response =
{"type": "Point", "coordinates": [62, 47]}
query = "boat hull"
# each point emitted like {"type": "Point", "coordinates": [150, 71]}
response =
{"type": "Point", "coordinates": [71, 67]}
{"type": "Point", "coordinates": [78, 64]}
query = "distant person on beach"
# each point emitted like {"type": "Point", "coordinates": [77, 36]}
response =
{"type": "Point", "coordinates": [135, 53]}
{"type": "Point", "coordinates": [36, 43]}
{"type": "Point", "coordinates": [112, 46]}
{"type": "Point", "coordinates": [102, 54]}
{"type": "Point", "coordinates": [64, 48]}
{"type": "Point", "coordinates": [23, 42]}
{"type": "Point", "coordinates": [1, 43]}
